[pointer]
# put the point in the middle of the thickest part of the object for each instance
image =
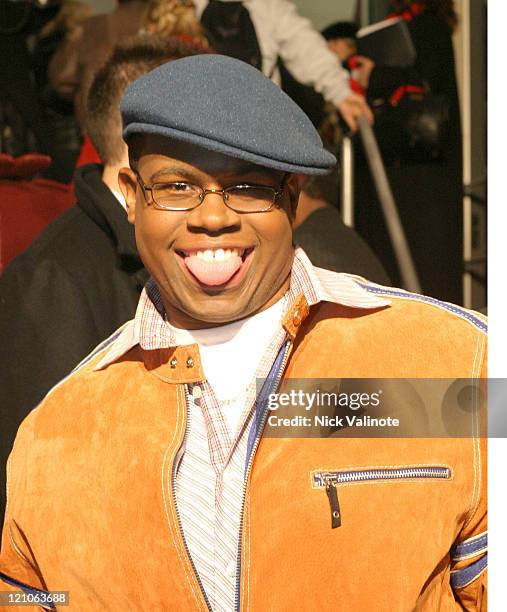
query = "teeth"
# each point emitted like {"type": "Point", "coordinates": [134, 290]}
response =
{"type": "Point", "coordinates": [218, 254]}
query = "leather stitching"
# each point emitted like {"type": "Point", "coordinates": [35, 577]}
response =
{"type": "Point", "coordinates": [165, 462]}
{"type": "Point", "coordinates": [477, 364]}
{"type": "Point", "coordinates": [249, 575]}
{"type": "Point", "coordinates": [17, 550]}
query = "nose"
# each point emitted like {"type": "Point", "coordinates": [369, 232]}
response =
{"type": "Point", "coordinates": [213, 216]}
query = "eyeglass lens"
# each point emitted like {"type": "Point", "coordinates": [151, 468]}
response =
{"type": "Point", "coordinates": [242, 198]}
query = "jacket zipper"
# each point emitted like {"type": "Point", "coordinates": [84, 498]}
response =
{"type": "Point", "coordinates": [332, 495]}
{"type": "Point", "coordinates": [330, 480]}
{"type": "Point", "coordinates": [288, 346]}
{"type": "Point", "coordinates": [173, 484]}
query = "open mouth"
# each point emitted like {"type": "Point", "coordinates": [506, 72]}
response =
{"type": "Point", "coordinates": [215, 267]}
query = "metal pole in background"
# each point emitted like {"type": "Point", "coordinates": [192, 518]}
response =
{"type": "Point", "coordinates": [392, 219]}
{"type": "Point", "coordinates": [347, 181]}
{"type": "Point", "coordinates": [364, 12]}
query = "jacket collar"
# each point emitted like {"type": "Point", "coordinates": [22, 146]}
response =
{"type": "Point", "coordinates": [309, 286]}
{"type": "Point", "coordinates": [100, 204]}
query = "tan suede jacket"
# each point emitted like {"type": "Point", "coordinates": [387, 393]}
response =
{"type": "Point", "coordinates": [91, 506]}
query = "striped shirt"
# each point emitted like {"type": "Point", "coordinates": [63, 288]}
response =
{"type": "Point", "coordinates": [211, 471]}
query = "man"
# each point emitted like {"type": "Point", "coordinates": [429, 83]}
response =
{"type": "Point", "coordinates": [81, 279]}
{"type": "Point", "coordinates": [329, 243]}
{"type": "Point", "coordinates": [144, 480]}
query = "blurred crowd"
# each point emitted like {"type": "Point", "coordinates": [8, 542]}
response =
{"type": "Point", "coordinates": [70, 273]}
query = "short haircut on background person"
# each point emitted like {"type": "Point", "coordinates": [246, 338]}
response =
{"type": "Point", "coordinates": [341, 38]}
{"type": "Point", "coordinates": [128, 62]}
{"type": "Point", "coordinates": [340, 29]}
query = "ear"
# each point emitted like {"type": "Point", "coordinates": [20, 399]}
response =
{"type": "Point", "coordinates": [294, 184]}
{"type": "Point", "coordinates": [128, 186]}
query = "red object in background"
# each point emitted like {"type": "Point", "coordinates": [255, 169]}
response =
{"type": "Point", "coordinates": [24, 166]}
{"type": "Point", "coordinates": [88, 153]}
{"type": "Point", "coordinates": [403, 90]}
{"type": "Point", "coordinates": [354, 85]}
{"type": "Point", "coordinates": [415, 9]}
{"type": "Point", "coordinates": [27, 205]}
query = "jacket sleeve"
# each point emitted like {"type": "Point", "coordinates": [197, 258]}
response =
{"type": "Point", "coordinates": [46, 328]}
{"type": "Point", "coordinates": [469, 555]}
{"type": "Point", "coordinates": [305, 52]}
{"type": "Point", "coordinates": [18, 567]}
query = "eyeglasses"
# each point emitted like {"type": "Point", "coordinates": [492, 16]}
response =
{"type": "Point", "coordinates": [180, 196]}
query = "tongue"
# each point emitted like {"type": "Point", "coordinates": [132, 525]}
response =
{"type": "Point", "coordinates": [213, 272]}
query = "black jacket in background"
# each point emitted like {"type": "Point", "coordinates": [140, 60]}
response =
{"type": "Point", "coordinates": [72, 288]}
{"type": "Point", "coordinates": [330, 244]}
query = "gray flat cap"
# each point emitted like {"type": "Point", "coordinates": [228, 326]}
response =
{"type": "Point", "coordinates": [225, 105]}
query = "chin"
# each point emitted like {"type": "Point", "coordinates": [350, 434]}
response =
{"type": "Point", "coordinates": [220, 316]}
{"type": "Point", "coordinates": [219, 309]}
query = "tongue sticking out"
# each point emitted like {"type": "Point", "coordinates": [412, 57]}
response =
{"type": "Point", "coordinates": [213, 272]}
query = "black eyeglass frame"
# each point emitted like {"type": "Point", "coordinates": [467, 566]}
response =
{"type": "Point", "coordinates": [204, 192]}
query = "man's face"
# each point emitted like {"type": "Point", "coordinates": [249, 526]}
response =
{"type": "Point", "coordinates": [342, 47]}
{"type": "Point", "coordinates": [213, 265]}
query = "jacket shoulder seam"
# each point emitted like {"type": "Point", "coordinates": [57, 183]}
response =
{"type": "Point", "coordinates": [471, 317]}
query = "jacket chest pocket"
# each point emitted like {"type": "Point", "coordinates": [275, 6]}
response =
{"type": "Point", "coordinates": [329, 480]}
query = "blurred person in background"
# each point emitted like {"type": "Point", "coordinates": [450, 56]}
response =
{"type": "Point", "coordinates": [22, 126]}
{"type": "Point", "coordinates": [82, 277]}
{"type": "Point", "coordinates": [30, 120]}
{"type": "Point", "coordinates": [341, 41]}
{"type": "Point", "coordinates": [263, 31]}
{"type": "Point", "coordinates": [86, 47]}
{"type": "Point", "coordinates": [428, 186]}
{"type": "Point", "coordinates": [320, 231]}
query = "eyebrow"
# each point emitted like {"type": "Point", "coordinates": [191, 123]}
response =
{"type": "Point", "coordinates": [183, 172]}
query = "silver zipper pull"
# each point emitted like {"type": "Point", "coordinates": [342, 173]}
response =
{"type": "Point", "coordinates": [336, 518]}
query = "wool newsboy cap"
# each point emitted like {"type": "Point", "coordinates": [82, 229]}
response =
{"type": "Point", "coordinates": [224, 105]}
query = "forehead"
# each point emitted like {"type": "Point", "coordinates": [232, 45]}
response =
{"type": "Point", "coordinates": [156, 151]}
